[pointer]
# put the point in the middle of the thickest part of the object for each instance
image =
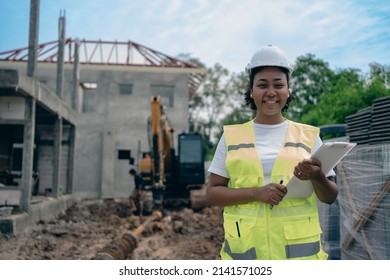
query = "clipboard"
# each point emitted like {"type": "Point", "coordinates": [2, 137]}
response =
{"type": "Point", "coordinates": [330, 154]}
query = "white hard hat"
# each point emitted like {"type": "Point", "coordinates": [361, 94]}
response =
{"type": "Point", "coordinates": [269, 56]}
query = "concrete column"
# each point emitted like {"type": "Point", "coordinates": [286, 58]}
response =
{"type": "Point", "coordinates": [72, 139]}
{"type": "Point", "coordinates": [76, 77]}
{"type": "Point", "coordinates": [60, 61]}
{"type": "Point", "coordinates": [57, 149]}
{"type": "Point", "coordinates": [33, 38]}
{"type": "Point", "coordinates": [28, 153]}
{"type": "Point", "coordinates": [108, 163]}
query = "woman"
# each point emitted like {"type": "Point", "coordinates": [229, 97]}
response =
{"type": "Point", "coordinates": [253, 163]}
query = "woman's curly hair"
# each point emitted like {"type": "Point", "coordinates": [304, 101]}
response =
{"type": "Point", "coordinates": [247, 96]}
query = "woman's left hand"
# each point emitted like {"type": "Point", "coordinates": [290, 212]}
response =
{"type": "Point", "coordinates": [308, 169]}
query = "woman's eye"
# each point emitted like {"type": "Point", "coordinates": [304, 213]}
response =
{"type": "Point", "coordinates": [279, 86]}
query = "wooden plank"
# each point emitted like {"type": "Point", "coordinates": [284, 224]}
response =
{"type": "Point", "coordinates": [367, 247]}
{"type": "Point", "coordinates": [363, 218]}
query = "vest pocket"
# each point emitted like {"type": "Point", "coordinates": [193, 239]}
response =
{"type": "Point", "coordinates": [302, 240]}
{"type": "Point", "coordinates": [239, 243]}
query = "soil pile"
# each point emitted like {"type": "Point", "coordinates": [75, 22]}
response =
{"type": "Point", "coordinates": [88, 226]}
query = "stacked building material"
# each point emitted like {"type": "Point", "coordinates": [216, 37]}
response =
{"type": "Point", "coordinates": [380, 124]}
{"type": "Point", "coordinates": [363, 178]}
{"type": "Point", "coordinates": [370, 125]}
{"type": "Point", "coordinates": [358, 126]}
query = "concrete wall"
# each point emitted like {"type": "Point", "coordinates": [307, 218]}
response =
{"type": "Point", "coordinates": [45, 155]}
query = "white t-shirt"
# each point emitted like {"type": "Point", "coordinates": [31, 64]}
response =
{"type": "Point", "coordinates": [268, 147]}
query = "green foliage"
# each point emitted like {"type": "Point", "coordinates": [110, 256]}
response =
{"type": "Point", "coordinates": [309, 81]}
{"type": "Point", "coordinates": [328, 97]}
{"type": "Point", "coordinates": [381, 72]}
{"type": "Point", "coordinates": [342, 98]}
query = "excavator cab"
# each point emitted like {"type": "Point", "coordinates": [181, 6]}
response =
{"type": "Point", "coordinates": [191, 173]}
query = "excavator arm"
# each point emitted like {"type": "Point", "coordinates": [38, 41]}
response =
{"type": "Point", "coordinates": [161, 142]}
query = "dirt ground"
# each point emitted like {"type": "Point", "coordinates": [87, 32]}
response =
{"type": "Point", "coordinates": [88, 226]}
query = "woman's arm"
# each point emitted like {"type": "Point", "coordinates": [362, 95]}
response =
{"type": "Point", "coordinates": [218, 192]}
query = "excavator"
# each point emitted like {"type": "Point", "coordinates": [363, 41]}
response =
{"type": "Point", "coordinates": [170, 179]}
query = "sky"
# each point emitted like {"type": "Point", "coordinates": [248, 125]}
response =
{"type": "Point", "coordinates": [345, 34]}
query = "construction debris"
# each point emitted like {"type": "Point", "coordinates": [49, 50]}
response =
{"type": "Point", "coordinates": [120, 248]}
{"type": "Point", "coordinates": [86, 228]}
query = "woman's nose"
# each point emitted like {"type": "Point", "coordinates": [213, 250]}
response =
{"type": "Point", "coordinates": [270, 92]}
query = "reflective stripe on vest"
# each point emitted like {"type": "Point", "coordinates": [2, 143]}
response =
{"type": "Point", "coordinates": [302, 250]}
{"type": "Point", "coordinates": [269, 234]}
{"type": "Point", "coordinates": [250, 254]}
{"type": "Point", "coordinates": [240, 146]}
{"type": "Point", "coordinates": [296, 145]}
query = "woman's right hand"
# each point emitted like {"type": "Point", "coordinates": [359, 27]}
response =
{"type": "Point", "coordinates": [272, 193]}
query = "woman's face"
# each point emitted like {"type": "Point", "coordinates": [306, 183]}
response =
{"type": "Point", "coordinates": [270, 93]}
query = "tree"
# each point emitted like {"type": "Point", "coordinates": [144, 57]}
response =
{"type": "Point", "coordinates": [342, 98]}
{"type": "Point", "coordinates": [239, 111]}
{"type": "Point", "coordinates": [310, 80]}
{"type": "Point", "coordinates": [186, 57]}
{"type": "Point", "coordinates": [347, 92]}
{"type": "Point", "coordinates": [382, 72]}
{"type": "Point", "coordinates": [209, 105]}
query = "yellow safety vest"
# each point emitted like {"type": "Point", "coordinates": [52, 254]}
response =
{"type": "Point", "coordinates": [291, 230]}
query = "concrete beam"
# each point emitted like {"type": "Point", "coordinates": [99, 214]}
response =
{"type": "Point", "coordinates": [15, 80]}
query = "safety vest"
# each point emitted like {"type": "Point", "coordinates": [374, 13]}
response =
{"type": "Point", "coordinates": [291, 229]}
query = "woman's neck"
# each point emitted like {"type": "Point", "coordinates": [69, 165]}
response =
{"type": "Point", "coordinates": [270, 120]}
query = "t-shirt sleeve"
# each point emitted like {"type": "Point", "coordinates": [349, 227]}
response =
{"type": "Point", "coordinates": [317, 145]}
{"type": "Point", "coordinates": [218, 164]}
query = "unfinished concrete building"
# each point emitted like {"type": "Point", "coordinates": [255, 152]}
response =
{"type": "Point", "coordinates": [78, 120]}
